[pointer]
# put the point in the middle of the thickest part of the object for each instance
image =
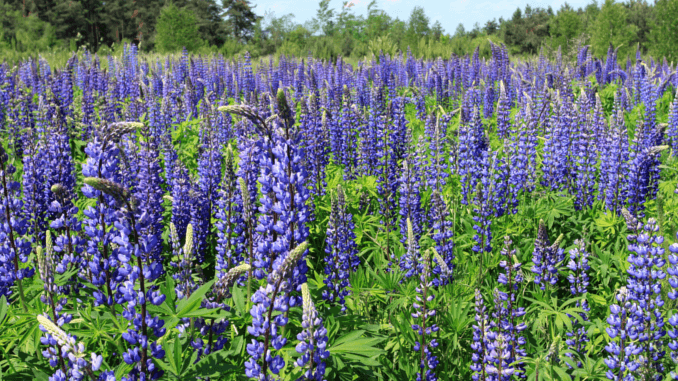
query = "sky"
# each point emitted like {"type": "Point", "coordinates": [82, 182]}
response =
{"type": "Point", "coordinates": [449, 12]}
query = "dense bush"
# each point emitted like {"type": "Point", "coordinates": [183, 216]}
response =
{"type": "Point", "coordinates": [176, 29]}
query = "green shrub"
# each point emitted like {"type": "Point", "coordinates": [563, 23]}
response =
{"type": "Point", "coordinates": [177, 28]}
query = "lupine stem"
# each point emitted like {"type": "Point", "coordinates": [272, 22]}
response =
{"type": "Point", "coordinates": [3, 168]}
{"type": "Point", "coordinates": [264, 366]}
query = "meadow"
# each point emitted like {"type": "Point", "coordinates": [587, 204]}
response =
{"type": "Point", "coordinates": [189, 217]}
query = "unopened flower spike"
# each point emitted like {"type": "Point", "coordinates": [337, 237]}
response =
{"type": "Point", "coordinates": [117, 191]}
{"type": "Point", "coordinates": [225, 283]}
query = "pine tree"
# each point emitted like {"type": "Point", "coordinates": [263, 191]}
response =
{"type": "Point", "coordinates": [241, 19]}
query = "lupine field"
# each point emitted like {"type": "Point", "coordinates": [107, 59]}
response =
{"type": "Point", "coordinates": [202, 218]}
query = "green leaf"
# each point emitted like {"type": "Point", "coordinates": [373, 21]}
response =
{"type": "Point", "coordinates": [191, 304]}
{"type": "Point", "coordinates": [3, 309]}
{"type": "Point", "coordinates": [239, 300]}
{"type": "Point", "coordinates": [350, 346]}
{"type": "Point", "coordinates": [213, 365]}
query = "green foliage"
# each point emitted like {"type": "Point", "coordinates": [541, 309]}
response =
{"type": "Point", "coordinates": [525, 33]}
{"type": "Point", "coordinates": [612, 28]}
{"type": "Point", "coordinates": [24, 34]}
{"type": "Point", "coordinates": [565, 28]}
{"type": "Point", "coordinates": [373, 339]}
{"type": "Point", "coordinates": [417, 26]}
{"type": "Point", "coordinates": [176, 28]}
{"type": "Point", "coordinates": [241, 19]}
{"type": "Point", "coordinates": [664, 33]}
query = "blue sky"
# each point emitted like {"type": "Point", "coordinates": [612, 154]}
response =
{"type": "Point", "coordinates": [449, 12]}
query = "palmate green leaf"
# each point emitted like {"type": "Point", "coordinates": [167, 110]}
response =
{"type": "Point", "coordinates": [354, 347]}
{"type": "Point", "coordinates": [176, 362]}
{"type": "Point", "coordinates": [562, 315]}
{"type": "Point", "coordinates": [38, 375]}
{"type": "Point", "coordinates": [185, 308]}
{"type": "Point", "coordinates": [597, 299]}
{"type": "Point", "coordinates": [562, 373]}
{"type": "Point", "coordinates": [28, 338]}
{"type": "Point", "coordinates": [213, 365]}
{"type": "Point", "coordinates": [122, 370]}
{"type": "Point", "coordinates": [591, 370]}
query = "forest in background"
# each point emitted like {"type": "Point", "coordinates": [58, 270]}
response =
{"type": "Point", "coordinates": [231, 27]}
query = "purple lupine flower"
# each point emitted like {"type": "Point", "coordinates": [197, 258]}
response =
{"type": "Point", "coordinates": [315, 130]}
{"type": "Point", "coordinates": [399, 131]}
{"type": "Point", "coordinates": [342, 252]}
{"type": "Point", "coordinates": [60, 167]}
{"type": "Point", "coordinates": [248, 170]}
{"type": "Point", "coordinates": [507, 313]}
{"type": "Point", "coordinates": [644, 287]}
{"type": "Point", "coordinates": [181, 199]}
{"type": "Point", "coordinates": [482, 206]}
{"type": "Point", "coordinates": [499, 367]}
{"type": "Point", "coordinates": [480, 348]}
{"type": "Point", "coordinates": [14, 247]}
{"type": "Point", "coordinates": [443, 233]}
{"type": "Point", "coordinates": [274, 296]}
{"type": "Point", "coordinates": [672, 271]}
{"type": "Point", "coordinates": [149, 193]}
{"type": "Point", "coordinates": [231, 226]}
{"type": "Point", "coordinates": [638, 184]}
{"type": "Point", "coordinates": [614, 161]}
{"type": "Point", "coordinates": [78, 365]}
{"type": "Point", "coordinates": [546, 258]}
{"type": "Point", "coordinates": [410, 201]}
{"type": "Point", "coordinates": [348, 123]}
{"type": "Point", "coordinates": [558, 163]}
{"type": "Point", "coordinates": [436, 173]}
{"type": "Point", "coordinates": [69, 244]}
{"type": "Point", "coordinates": [579, 281]}
{"type": "Point", "coordinates": [623, 332]}
{"type": "Point", "coordinates": [586, 157]}
{"type": "Point", "coordinates": [312, 340]}
{"type": "Point", "coordinates": [672, 131]}
{"type": "Point", "coordinates": [34, 190]}
{"type": "Point", "coordinates": [503, 198]}
{"type": "Point", "coordinates": [54, 301]}
{"type": "Point", "coordinates": [386, 166]}
{"type": "Point", "coordinates": [503, 112]}
{"type": "Point", "coordinates": [137, 243]}
{"type": "Point", "coordinates": [522, 153]}
{"type": "Point", "coordinates": [284, 195]}
{"type": "Point", "coordinates": [209, 174]}
{"type": "Point", "coordinates": [423, 325]}
{"type": "Point", "coordinates": [369, 143]}
{"type": "Point", "coordinates": [473, 145]}
{"type": "Point", "coordinates": [99, 220]}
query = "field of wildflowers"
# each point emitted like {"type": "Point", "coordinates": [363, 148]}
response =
{"type": "Point", "coordinates": [198, 218]}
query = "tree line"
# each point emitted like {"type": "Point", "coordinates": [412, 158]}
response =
{"type": "Point", "coordinates": [234, 26]}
